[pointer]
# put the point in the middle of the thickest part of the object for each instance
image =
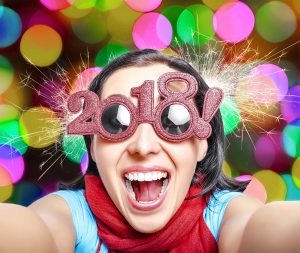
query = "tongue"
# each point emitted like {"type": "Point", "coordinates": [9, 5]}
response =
{"type": "Point", "coordinates": [146, 190]}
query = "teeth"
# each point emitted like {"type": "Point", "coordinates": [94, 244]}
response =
{"type": "Point", "coordinates": [164, 187]}
{"type": "Point", "coordinates": [148, 176]}
{"type": "Point", "coordinates": [130, 189]}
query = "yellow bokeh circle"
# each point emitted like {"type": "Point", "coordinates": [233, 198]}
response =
{"type": "Point", "coordinates": [40, 127]}
{"type": "Point", "coordinates": [6, 186]}
{"type": "Point", "coordinates": [227, 169]}
{"type": "Point", "coordinates": [274, 185]}
{"type": "Point", "coordinates": [41, 45]}
{"type": "Point", "coordinates": [296, 172]}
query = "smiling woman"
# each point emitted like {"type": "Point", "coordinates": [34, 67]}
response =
{"type": "Point", "coordinates": [155, 181]}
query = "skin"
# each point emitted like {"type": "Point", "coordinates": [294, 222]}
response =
{"type": "Point", "coordinates": [248, 226]}
{"type": "Point", "coordinates": [146, 148]}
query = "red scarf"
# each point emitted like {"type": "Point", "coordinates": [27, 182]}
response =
{"type": "Point", "coordinates": [185, 232]}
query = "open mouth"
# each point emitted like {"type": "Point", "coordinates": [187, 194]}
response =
{"type": "Point", "coordinates": [146, 190]}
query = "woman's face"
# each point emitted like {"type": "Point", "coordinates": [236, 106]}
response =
{"type": "Point", "coordinates": [146, 156]}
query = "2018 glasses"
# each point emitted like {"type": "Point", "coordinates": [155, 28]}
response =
{"type": "Point", "coordinates": [174, 119]}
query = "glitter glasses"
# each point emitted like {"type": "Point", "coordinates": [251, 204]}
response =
{"type": "Point", "coordinates": [174, 119]}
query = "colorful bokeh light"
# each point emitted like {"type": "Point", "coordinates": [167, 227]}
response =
{"type": "Point", "coordinates": [152, 30]}
{"type": "Point", "coordinates": [226, 169]}
{"type": "Point", "coordinates": [269, 153]}
{"type": "Point", "coordinates": [45, 17]}
{"type": "Point", "coordinates": [14, 165]}
{"type": "Point", "coordinates": [214, 5]}
{"type": "Point", "coordinates": [269, 179]}
{"type": "Point", "coordinates": [85, 78]}
{"type": "Point", "coordinates": [272, 24]}
{"type": "Point", "coordinates": [6, 73]}
{"type": "Point", "coordinates": [8, 112]}
{"type": "Point", "coordinates": [90, 29]}
{"type": "Point", "coordinates": [255, 188]}
{"type": "Point", "coordinates": [40, 127]}
{"type": "Point", "coordinates": [10, 26]}
{"type": "Point", "coordinates": [85, 4]}
{"type": "Point", "coordinates": [291, 138]}
{"type": "Point", "coordinates": [143, 5]}
{"type": "Point", "coordinates": [295, 171]}
{"type": "Point", "coordinates": [195, 25]}
{"type": "Point", "coordinates": [108, 53]}
{"type": "Point", "coordinates": [6, 186]}
{"type": "Point", "coordinates": [290, 105]}
{"type": "Point", "coordinates": [25, 193]}
{"type": "Point", "coordinates": [10, 135]}
{"type": "Point", "coordinates": [74, 147]}
{"type": "Point", "coordinates": [233, 22]}
{"type": "Point", "coordinates": [41, 45]}
{"type": "Point", "coordinates": [267, 84]}
{"type": "Point", "coordinates": [172, 13]}
{"type": "Point", "coordinates": [73, 12]}
{"type": "Point", "coordinates": [84, 163]}
{"type": "Point", "coordinates": [293, 192]}
{"type": "Point", "coordinates": [119, 23]}
{"type": "Point", "coordinates": [108, 5]}
{"type": "Point", "coordinates": [56, 5]}
{"type": "Point", "coordinates": [230, 115]}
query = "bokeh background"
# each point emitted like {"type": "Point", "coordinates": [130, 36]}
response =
{"type": "Point", "coordinates": [54, 47]}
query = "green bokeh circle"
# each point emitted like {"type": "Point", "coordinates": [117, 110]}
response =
{"type": "Point", "coordinates": [74, 147]}
{"type": "Point", "coordinates": [230, 115]}
{"type": "Point", "coordinates": [108, 53]}
{"type": "Point", "coordinates": [195, 25]}
{"type": "Point", "coordinates": [275, 21]}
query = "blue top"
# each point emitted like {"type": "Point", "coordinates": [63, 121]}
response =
{"type": "Point", "coordinates": [87, 239]}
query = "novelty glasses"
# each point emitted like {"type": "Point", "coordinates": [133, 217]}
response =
{"type": "Point", "coordinates": [174, 119]}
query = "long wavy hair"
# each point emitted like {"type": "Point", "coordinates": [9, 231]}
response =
{"type": "Point", "coordinates": [209, 170]}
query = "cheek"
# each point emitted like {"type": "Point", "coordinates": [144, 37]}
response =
{"type": "Point", "coordinates": [107, 156]}
{"type": "Point", "coordinates": [185, 155]}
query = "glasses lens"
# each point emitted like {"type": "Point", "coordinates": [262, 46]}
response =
{"type": "Point", "coordinates": [115, 119]}
{"type": "Point", "coordinates": [175, 119]}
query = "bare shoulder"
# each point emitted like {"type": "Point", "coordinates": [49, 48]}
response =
{"type": "Point", "coordinates": [237, 214]}
{"type": "Point", "coordinates": [55, 212]}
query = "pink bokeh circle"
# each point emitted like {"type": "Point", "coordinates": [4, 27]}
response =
{"type": "Point", "coordinates": [84, 78]}
{"type": "Point", "coordinates": [143, 5]}
{"type": "Point", "coordinates": [14, 166]}
{"type": "Point", "coordinates": [269, 153]}
{"type": "Point", "coordinates": [233, 22]}
{"type": "Point", "coordinates": [55, 5]}
{"type": "Point", "coordinates": [152, 30]}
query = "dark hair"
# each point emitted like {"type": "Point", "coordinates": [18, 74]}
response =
{"type": "Point", "coordinates": [210, 168]}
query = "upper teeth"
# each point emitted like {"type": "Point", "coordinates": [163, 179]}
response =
{"type": "Point", "coordinates": [148, 176]}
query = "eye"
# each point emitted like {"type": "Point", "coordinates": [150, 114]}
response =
{"type": "Point", "coordinates": [175, 119]}
{"type": "Point", "coordinates": [115, 119]}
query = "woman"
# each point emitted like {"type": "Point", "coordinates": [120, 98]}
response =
{"type": "Point", "coordinates": [187, 204]}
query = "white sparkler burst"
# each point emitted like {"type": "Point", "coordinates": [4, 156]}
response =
{"type": "Point", "coordinates": [233, 69]}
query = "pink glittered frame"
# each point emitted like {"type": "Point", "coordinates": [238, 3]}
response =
{"type": "Point", "coordinates": [90, 122]}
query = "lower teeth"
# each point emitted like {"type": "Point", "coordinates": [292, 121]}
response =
{"type": "Point", "coordinates": [131, 192]}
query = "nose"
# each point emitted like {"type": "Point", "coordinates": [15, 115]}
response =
{"type": "Point", "coordinates": [144, 141]}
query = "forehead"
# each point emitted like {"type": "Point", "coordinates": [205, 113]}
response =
{"type": "Point", "coordinates": [122, 80]}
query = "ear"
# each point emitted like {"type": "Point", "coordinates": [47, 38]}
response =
{"type": "Point", "coordinates": [92, 147]}
{"type": "Point", "coordinates": [203, 146]}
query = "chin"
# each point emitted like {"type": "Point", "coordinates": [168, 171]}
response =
{"type": "Point", "coordinates": [148, 226]}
